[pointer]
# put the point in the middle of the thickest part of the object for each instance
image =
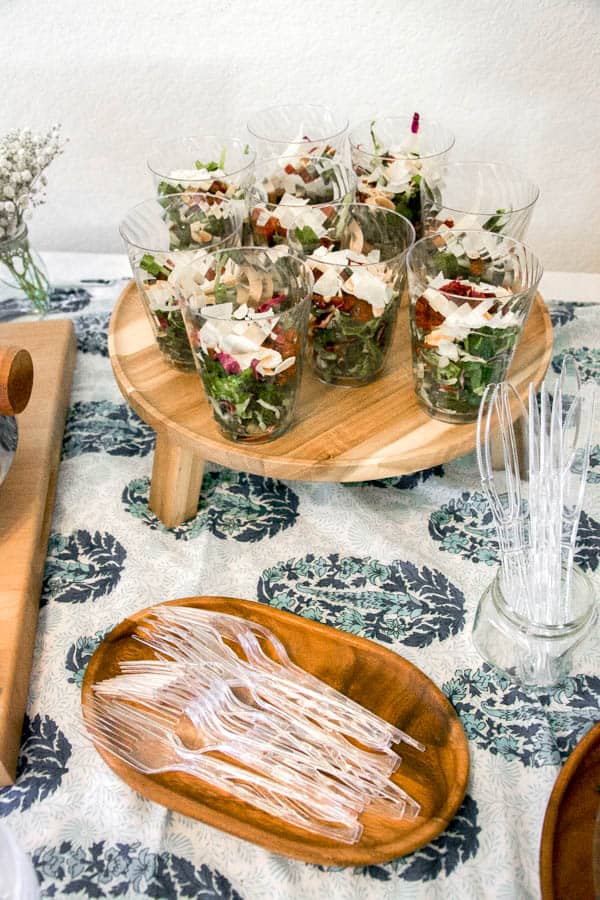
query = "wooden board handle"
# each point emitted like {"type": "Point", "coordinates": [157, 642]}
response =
{"type": "Point", "coordinates": [16, 380]}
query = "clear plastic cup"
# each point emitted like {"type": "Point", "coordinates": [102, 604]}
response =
{"type": "Point", "coordinates": [209, 163]}
{"type": "Point", "coordinates": [470, 294]}
{"type": "Point", "coordinates": [246, 313]}
{"type": "Point", "coordinates": [159, 235]}
{"type": "Point", "coordinates": [294, 194]}
{"type": "Point", "coordinates": [297, 128]}
{"type": "Point", "coordinates": [394, 156]}
{"type": "Point", "coordinates": [490, 196]}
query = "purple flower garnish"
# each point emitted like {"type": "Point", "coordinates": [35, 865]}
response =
{"type": "Point", "coordinates": [231, 365]}
{"type": "Point", "coordinates": [415, 123]}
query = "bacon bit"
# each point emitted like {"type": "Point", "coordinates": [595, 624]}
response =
{"type": "Point", "coordinates": [426, 318]}
{"type": "Point", "coordinates": [217, 186]}
{"type": "Point", "coordinates": [231, 365]}
{"type": "Point", "coordinates": [272, 225]}
{"type": "Point", "coordinates": [449, 223]}
{"type": "Point", "coordinates": [359, 310]}
{"type": "Point", "coordinates": [264, 307]}
{"type": "Point", "coordinates": [305, 175]}
{"type": "Point", "coordinates": [210, 274]}
{"type": "Point", "coordinates": [286, 342]}
{"type": "Point", "coordinates": [414, 127]}
{"type": "Point", "coordinates": [290, 169]}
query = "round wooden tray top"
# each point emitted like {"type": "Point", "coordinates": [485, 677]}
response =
{"type": "Point", "coordinates": [339, 434]}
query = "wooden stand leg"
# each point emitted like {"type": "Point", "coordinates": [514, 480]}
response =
{"type": "Point", "coordinates": [176, 481]}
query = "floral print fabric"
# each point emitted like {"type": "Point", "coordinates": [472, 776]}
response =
{"type": "Point", "coordinates": [402, 561]}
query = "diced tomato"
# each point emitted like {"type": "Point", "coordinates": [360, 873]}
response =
{"type": "Point", "coordinates": [426, 318]}
{"type": "Point", "coordinates": [460, 289]}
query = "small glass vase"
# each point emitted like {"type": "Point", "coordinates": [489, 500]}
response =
{"type": "Point", "coordinates": [22, 272]}
{"type": "Point", "coordinates": [533, 654]}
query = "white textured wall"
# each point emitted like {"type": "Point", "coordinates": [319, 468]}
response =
{"type": "Point", "coordinates": [518, 81]}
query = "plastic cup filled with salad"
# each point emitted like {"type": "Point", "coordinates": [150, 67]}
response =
{"type": "Point", "coordinates": [246, 312]}
{"type": "Point", "coordinates": [206, 164]}
{"type": "Point", "coordinates": [297, 129]}
{"type": "Point", "coordinates": [296, 193]}
{"type": "Point", "coordinates": [468, 195]}
{"type": "Point", "coordinates": [393, 156]}
{"type": "Point", "coordinates": [470, 294]}
{"type": "Point", "coordinates": [359, 267]}
{"type": "Point", "coordinates": [160, 232]}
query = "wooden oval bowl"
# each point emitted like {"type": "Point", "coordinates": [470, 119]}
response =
{"type": "Point", "coordinates": [339, 434]}
{"type": "Point", "coordinates": [368, 673]}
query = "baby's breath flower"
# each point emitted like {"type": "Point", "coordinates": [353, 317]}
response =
{"type": "Point", "coordinates": [24, 155]}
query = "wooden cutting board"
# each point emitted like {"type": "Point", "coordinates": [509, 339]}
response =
{"type": "Point", "coordinates": [26, 503]}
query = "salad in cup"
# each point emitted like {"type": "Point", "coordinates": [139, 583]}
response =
{"type": "Point", "coordinates": [296, 193]}
{"type": "Point", "coordinates": [469, 195]}
{"type": "Point", "coordinates": [246, 313]}
{"type": "Point", "coordinates": [359, 272]}
{"type": "Point", "coordinates": [207, 164]}
{"type": "Point", "coordinates": [470, 293]}
{"type": "Point", "coordinates": [393, 156]}
{"type": "Point", "coordinates": [304, 129]}
{"type": "Point", "coordinates": [159, 233]}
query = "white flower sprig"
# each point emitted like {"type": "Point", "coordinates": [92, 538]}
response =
{"type": "Point", "coordinates": [24, 155]}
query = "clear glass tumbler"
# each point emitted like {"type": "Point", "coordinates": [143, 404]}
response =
{"type": "Point", "coordinates": [162, 234]}
{"type": "Point", "coordinates": [296, 193]}
{"type": "Point", "coordinates": [393, 156]}
{"type": "Point", "coordinates": [360, 272]}
{"type": "Point", "coordinates": [470, 294]}
{"type": "Point", "coordinates": [533, 653]}
{"type": "Point", "coordinates": [489, 196]}
{"type": "Point", "coordinates": [246, 313]}
{"type": "Point", "coordinates": [204, 164]}
{"type": "Point", "coordinates": [297, 129]}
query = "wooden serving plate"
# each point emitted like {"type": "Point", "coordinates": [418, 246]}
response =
{"type": "Point", "coordinates": [26, 504]}
{"type": "Point", "coordinates": [567, 859]}
{"type": "Point", "coordinates": [340, 434]}
{"type": "Point", "coordinates": [373, 676]}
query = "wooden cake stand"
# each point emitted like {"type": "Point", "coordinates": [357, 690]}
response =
{"type": "Point", "coordinates": [340, 434]}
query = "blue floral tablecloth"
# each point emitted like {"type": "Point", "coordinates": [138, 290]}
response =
{"type": "Point", "coordinates": [402, 561]}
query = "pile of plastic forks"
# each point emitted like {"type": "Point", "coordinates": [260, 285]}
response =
{"type": "Point", "coordinates": [536, 492]}
{"type": "Point", "coordinates": [213, 703]}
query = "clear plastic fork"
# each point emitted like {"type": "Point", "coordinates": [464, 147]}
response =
{"type": "Point", "coordinates": [361, 724]}
{"type": "Point", "coordinates": [147, 743]}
